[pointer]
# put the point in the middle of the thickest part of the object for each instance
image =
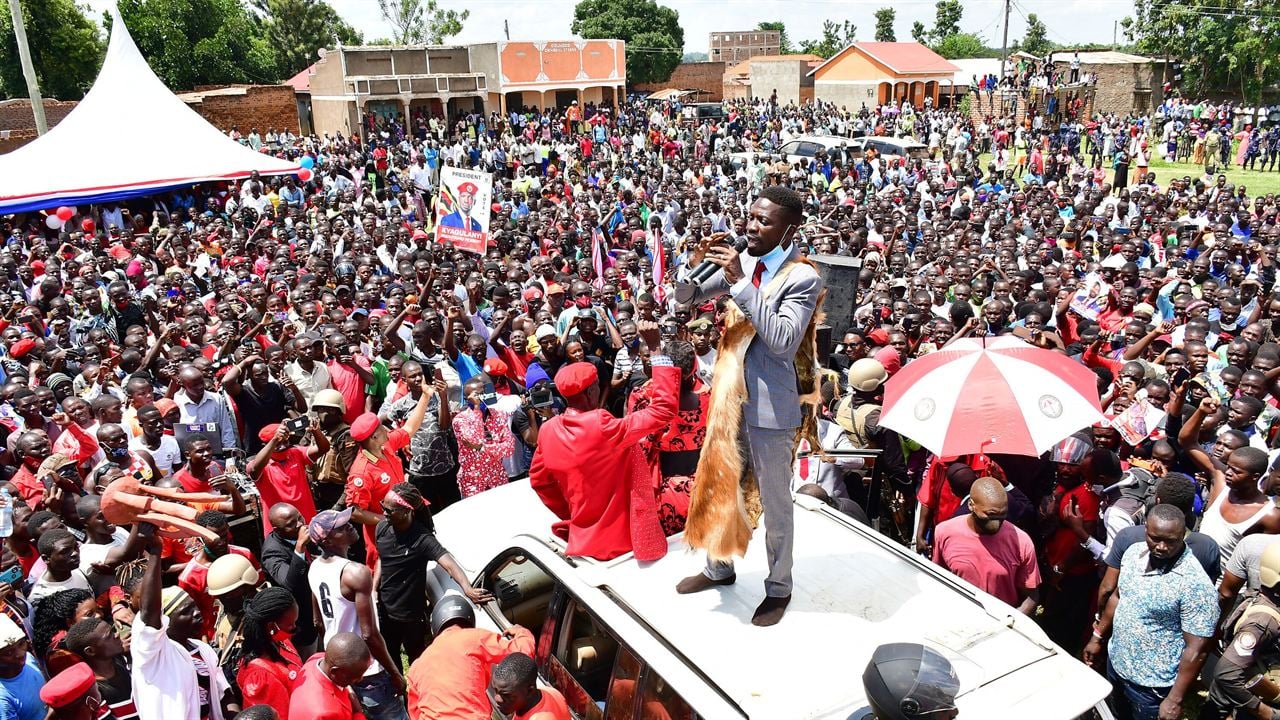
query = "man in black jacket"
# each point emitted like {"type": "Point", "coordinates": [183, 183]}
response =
{"type": "Point", "coordinates": [285, 558]}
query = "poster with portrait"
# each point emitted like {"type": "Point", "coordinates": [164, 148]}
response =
{"type": "Point", "coordinates": [462, 210]}
{"type": "Point", "coordinates": [1090, 299]}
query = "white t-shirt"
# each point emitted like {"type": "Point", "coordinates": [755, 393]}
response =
{"type": "Point", "coordinates": [91, 553]}
{"type": "Point", "coordinates": [45, 587]}
{"type": "Point", "coordinates": [168, 456]}
{"type": "Point", "coordinates": [165, 684]}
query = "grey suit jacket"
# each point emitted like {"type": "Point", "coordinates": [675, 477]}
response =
{"type": "Point", "coordinates": [780, 321]}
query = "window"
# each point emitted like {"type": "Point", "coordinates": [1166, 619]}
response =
{"type": "Point", "coordinates": [582, 661]}
{"type": "Point", "coordinates": [655, 700]}
{"type": "Point", "coordinates": [522, 588]}
{"type": "Point", "coordinates": [790, 148]}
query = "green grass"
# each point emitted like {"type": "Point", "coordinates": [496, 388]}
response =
{"type": "Point", "coordinates": [1258, 183]}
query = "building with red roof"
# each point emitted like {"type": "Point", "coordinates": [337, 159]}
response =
{"type": "Point", "coordinates": [876, 73]}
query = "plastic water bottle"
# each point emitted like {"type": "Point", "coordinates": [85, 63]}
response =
{"type": "Point", "coordinates": [6, 514]}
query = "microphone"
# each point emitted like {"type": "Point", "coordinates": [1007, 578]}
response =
{"type": "Point", "coordinates": [687, 289]}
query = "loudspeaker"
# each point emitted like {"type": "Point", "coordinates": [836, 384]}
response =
{"type": "Point", "coordinates": [840, 275]}
{"type": "Point", "coordinates": [824, 344]}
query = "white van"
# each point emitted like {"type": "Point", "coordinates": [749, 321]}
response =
{"type": "Point", "coordinates": [618, 641]}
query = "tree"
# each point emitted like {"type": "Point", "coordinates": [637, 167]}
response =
{"type": "Point", "coordinates": [295, 29]}
{"type": "Point", "coordinates": [963, 45]}
{"type": "Point", "coordinates": [946, 20]}
{"type": "Point", "coordinates": [655, 40]}
{"type": "Point", "coordinates": [884, 25]}
{"type": "Point", "coordinates": [199, 42]}
{"type": "Point", "coordinates": [784, 41]}
{"type": "Point", "coordinates": [693, 57]}
{"type": "Point", "coordinates": [1036, 40]}
{"type": "Point", "coordinates": [66, 50]}
{"type": "Point", "coordinates": [1223, 47]}
{"type": "Point", "coordinates": [918, 32]}
{"type": "Point", "coordinates": [421, 21]}
{"type": "Point", "coordinates": [835, 37]}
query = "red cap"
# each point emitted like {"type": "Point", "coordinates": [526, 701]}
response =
{"type": "Point", "coordinates": [468, 188]}
{"type": "Point", "coordinates": [268, 432]}
{"type": "Point", "coordinates": [494, 366]}
{"type": "Point", "coordinates": [68, 686]}
{"type": "Point", "coordinates": [879, 336]}
{"type": "Point", "coordinates": [575, 378]}
{"type": "Point", "coordinates": [364, 427]}
{"type": "Point", "coordinates": [165, 406]}
{"type": "Point", "coordinates": [21, 348]}
{"type": "Point", "coordinates": [37, 267]}
{"type": "Point", "coordinates": [532, 293]}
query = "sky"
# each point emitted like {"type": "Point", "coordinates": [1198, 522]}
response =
{"type": "Point", "coordinates": [1068, 21]}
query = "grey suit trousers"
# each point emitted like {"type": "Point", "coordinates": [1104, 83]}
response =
{"type": "Point", "coordinates": [770, 451]}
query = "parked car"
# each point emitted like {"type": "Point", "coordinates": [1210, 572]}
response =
{"type": "Point", "coordinates": [618, 641]}
{"type": "Point", "coordinates": [890, 148]}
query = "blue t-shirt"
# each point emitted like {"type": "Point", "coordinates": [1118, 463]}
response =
{"type": "Point", "coordinates": [20, 696]}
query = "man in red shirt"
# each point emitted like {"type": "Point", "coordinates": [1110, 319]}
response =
{"type": "Point", "coordinates": [349, 373]}
{"type": "Point", "coordinates": [323, 689]}
{"type": "Point", "coordinates": [515, 691]}
{"type": "Point", "coordinates": [1073, 577]}
{"type": "Point", "coordinates": [377, 466]}
{"type": "Point", "coordinates": [584, 469]}
{"type": "Point", "coordinates": [992, 554]}
{"type": "Point", "coordinates": [280, 470]}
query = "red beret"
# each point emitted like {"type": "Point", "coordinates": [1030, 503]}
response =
{"type": "Point", "coordinates": [468, 187]}
{"type": "Point", "coordinates": [268, 432]}
{"type": "Point", "coordinates": [575, 378]}
{"type": "Point", "coordinates": [364, 427]}
{"type": "Point", "coordinates": [21, 348]}
{"type": "Point", "coordinates": [532, 293]}
{"type": "Point", "coordinates": [879, 336]}
{"type": "Point", "coordinates": [68, 686]}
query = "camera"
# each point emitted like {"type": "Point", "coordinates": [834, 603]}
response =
{"type": "Point", "coordinates": [541, 395]}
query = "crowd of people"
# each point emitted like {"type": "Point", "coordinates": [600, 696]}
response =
{"type": "Point", "coordinates": [306, 363]}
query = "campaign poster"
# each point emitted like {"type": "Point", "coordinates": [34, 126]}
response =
{"type": "Point", "coordinates": [1090, 299]}
{"type": "Point", "coordinates": [462, 210]}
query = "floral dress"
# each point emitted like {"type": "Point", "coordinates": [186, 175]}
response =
{"type": "Point", "coordinates": [484, 440]}
{"type": "Point", "coordinates": [674, 452]}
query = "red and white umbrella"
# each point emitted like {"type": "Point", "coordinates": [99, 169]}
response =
{"type": "Point", "coordinates": [991, 395]}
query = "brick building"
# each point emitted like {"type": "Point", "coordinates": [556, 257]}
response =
{"type": "Point", "coordinates": [1126, 83]}
{"type": "Point", "coordinates": [245, 107]}
{"type": "Point", "coordinates": [18, 125]}
{"type": "Point", "coordinates": [735, 46]}
{"type": "Point", "coordinates": [706, 79]}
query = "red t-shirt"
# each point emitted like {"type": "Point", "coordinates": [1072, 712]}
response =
{"type": "Point", "coordinates": [286, 481]}
{"type": "Point", "coordinates": [192, 484]}
{"type": "Point", "coordinates": [371, 477]}
{"type": "Point", "coordinates": [316, 697]}
{"type": "Point", "coordinates": [348, 382]}
{"type": "Point", "coordinates": [1063, 542]}
{"type": "Point", "coordinates": [1000, 564]}
{"type": "Point", "coordinates": [551, 707]}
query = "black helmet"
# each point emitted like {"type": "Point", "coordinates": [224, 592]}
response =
{"type": "Point", "coordinates": [452, 610]}
{"type": "Point", "coordinates": [904, 681]}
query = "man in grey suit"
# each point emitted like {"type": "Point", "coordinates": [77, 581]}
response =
{"type": "Point", "coordinates": [772, 412]}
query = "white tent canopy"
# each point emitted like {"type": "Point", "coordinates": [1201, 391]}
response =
{"type": "Point", "coordinates": [129, 136]}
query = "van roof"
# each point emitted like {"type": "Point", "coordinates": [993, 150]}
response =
{"type": "Point", "coordinates": [853, 590]}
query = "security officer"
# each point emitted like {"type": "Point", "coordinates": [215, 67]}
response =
{"type": "Point", "coordinates": [907, 681]}
{"type": "Point", "coordinates": [858, 414]}
{"type": "Point", "coordinates": [1245, 679]}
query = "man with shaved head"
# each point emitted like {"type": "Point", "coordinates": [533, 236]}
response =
{"type": "Point", "coordinates": [285, 559]}
{"type": "Point", "coordinates": [996, 556]}
{"type": "Point", "coordinates": [322, 691]}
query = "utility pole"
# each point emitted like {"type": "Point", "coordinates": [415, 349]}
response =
{"type": "Point", "coordinates": [28, 70]}
{"type": "Point", "coordinates": [1004, 44]}
{"type": "Point", "coordinates": [506, 29]}
{"type": "Point", "coordinates": [1115, 28]}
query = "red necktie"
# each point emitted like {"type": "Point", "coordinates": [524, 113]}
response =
{"type": "Point", "coordinates": [759, 273]}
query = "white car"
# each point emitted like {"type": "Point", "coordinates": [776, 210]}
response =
{"type": "Point", "coordinates": [618, 641]}
{"type": "Point", "coordinates": [890, 148]}
{"type": "Point", "coordinates": [806, 147]}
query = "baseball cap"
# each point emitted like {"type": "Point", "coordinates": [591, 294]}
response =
{"type": "Point", "coordinates": [326, 521]}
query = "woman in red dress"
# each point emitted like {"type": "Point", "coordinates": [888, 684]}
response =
{"type": "Point", "coordinates": [674, 452]}
{"type": "Point", "coordinates": [269, 664]}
